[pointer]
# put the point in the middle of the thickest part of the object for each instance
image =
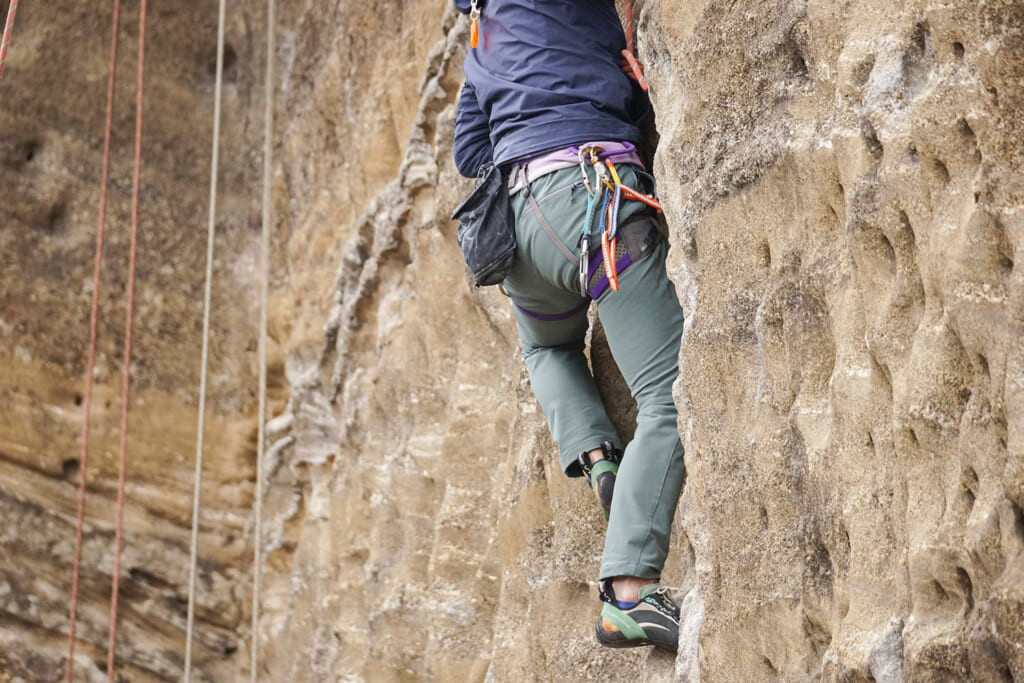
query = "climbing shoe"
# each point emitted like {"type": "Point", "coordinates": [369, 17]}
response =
{"type": "Point", "coordinates": [652, 620]}
{"type": "Point", "coordinates": [601, 474]}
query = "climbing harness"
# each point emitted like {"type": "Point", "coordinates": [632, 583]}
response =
{"type": "Point", "coordinates": [8, 28]}
{"type": "Point", "coordinates": [622, 243]}
{"type": "Point", "coordinates": [474, 26]}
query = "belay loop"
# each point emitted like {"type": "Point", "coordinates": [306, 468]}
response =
{"type": "Point", "coordinates": [474, 18]}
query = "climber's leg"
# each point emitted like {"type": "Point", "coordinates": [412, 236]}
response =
{"type": "Point", "coordinates": [644, 322]}
{"type": "Point", "coordinates": [564, 387]}
{"type": "Point", "coordinates": [552, 317]}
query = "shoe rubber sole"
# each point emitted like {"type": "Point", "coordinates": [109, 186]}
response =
{"type": "Point", "coordinates": [616, 627]}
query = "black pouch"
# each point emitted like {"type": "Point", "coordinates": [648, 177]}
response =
{"type": "Point", "coordinates": [487, 232]}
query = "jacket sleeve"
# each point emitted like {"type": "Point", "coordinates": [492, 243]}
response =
{"type": "Point", "coordinates": [472, 146]}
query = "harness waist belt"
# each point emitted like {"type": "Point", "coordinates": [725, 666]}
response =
{"type": "Point", "coordinates": [524, 172]}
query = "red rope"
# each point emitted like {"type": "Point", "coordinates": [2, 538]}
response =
{"type": "Point", "coordinates": [104, 176]}
{"type": "Point", "coordinates": [631, 66]}
{"type": "Point", "coordinates": [115, 583]}
{"type": "Point", "coordinates": [8, 28]}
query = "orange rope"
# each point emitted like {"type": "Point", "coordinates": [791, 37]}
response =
{"type": "Point", "coordinates": [628, 54]}
{"type": "Point", "coordinates": [115, 583]}
{"type": "Point", "coordinates": [104, 177]}
{"type": "Point", "coordinates": [8, 28]}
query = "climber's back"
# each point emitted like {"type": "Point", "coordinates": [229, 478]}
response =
{"type": "Point", "coordinates": [545, 74]}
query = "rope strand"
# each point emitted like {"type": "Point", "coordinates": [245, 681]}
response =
{"type": "Point", "coordinates": [93, 316]}
{"type": "Point", "coordinates": [8, 28]}
{"type": "Point", "coordinates": [211, 229]}
{"type": "Point", "coordinates": [268, 169]}
{"type": "Point", "coordinates": [127, 344]}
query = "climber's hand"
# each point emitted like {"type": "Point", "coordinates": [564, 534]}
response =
{"type": "Point", "coordinates": [632, 67]}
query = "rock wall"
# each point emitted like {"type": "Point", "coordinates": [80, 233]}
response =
{"type": "Point", "coordinates": [842, 185]}
{"type": "Point", "coordinates": [52, 101]}
{"type": "Point", "coordinates": [846, 219]}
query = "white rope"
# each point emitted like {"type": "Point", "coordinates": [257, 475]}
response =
{"type": "Point", "coordinates": [268, 169]}
{"type": "Point", "coordinates": [206, 343]}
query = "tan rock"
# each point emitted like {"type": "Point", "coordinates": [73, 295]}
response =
{"type": "Point", "coordinates": [842, 184]}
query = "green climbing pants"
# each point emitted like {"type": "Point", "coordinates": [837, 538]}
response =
{"type": "Point", "coordinates": [643, 323]}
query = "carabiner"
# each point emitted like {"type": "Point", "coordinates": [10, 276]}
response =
{"type": "Point", "coordinates": [600, 176]}
{"type": "Point", "coordinates": [613, 212]}
{"type": "Point", "coordinates": [583, 170]}
{"type": "Point", "coordinates": [584, 264]}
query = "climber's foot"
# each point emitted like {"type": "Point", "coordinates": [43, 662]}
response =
{"type": "Point", "coordinates": [652, 620]}
{"type": "Point", "coordinates": [601, 468]}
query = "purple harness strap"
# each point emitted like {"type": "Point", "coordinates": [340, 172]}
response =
{"type": "Point", "coordinates": [595, 292]}
{"type": "Point", "coordinates": [602, 284]}
{"type": "Point", "coordinates": [553, 317]}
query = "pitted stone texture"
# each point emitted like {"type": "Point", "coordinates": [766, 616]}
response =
{"type": "Point", "coordinates": [845, 210]}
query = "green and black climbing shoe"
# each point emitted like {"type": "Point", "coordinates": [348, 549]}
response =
{"type": "Point", "coordinates": [652, 620]}
{"type": "Point", "coordinates": [601, 474]}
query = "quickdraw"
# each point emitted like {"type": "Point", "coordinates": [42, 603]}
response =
{"type": "Point", "coordinates": [609, 186]}
{"type": "Point", "coordinates": [474, 26]}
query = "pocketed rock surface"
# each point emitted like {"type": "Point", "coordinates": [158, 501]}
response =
{"type": "Point", "coordinates": [846, 218]}
{"type": "Point", "coordinates": [842, 183]}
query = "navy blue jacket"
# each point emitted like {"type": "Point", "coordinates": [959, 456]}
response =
{"type": "Point", "coordinates": [546, 74]}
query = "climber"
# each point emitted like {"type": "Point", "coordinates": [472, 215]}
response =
{"type": "Point", "coordinates": [551, 103]}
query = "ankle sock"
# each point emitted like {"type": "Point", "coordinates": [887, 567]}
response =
{"type": "Point", "coordinates": [625, 604]}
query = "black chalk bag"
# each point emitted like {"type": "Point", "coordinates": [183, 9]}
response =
{"type": "Point", "coordinates": [487, 233]}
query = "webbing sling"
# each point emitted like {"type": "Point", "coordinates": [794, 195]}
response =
{"type": "Point", "coordinates": [562, 247]}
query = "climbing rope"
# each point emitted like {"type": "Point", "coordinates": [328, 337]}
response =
{"type": "Point", "coordinates": [8, 28]}
{"type": "Point", "coordinates": [94, 311]}
{"type": "Point", "coordinates": [210, 233]}
{"type": "Point", "coordinates": [629, 54]}
{"type": "Point", "coordinates": [115, 584]}
{"type": "Point", "coordinates": [268, 168]}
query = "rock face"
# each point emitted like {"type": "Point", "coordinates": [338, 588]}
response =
{"type": "Point", "coordinates": [846, 221]}
{"type": "Point", "coordinates": [843, 185]}
{"type": "Point", "coordinates": [52, 101]}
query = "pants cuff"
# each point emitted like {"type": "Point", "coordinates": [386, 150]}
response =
{"type": "Point", "coordinates": [645, 570]}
